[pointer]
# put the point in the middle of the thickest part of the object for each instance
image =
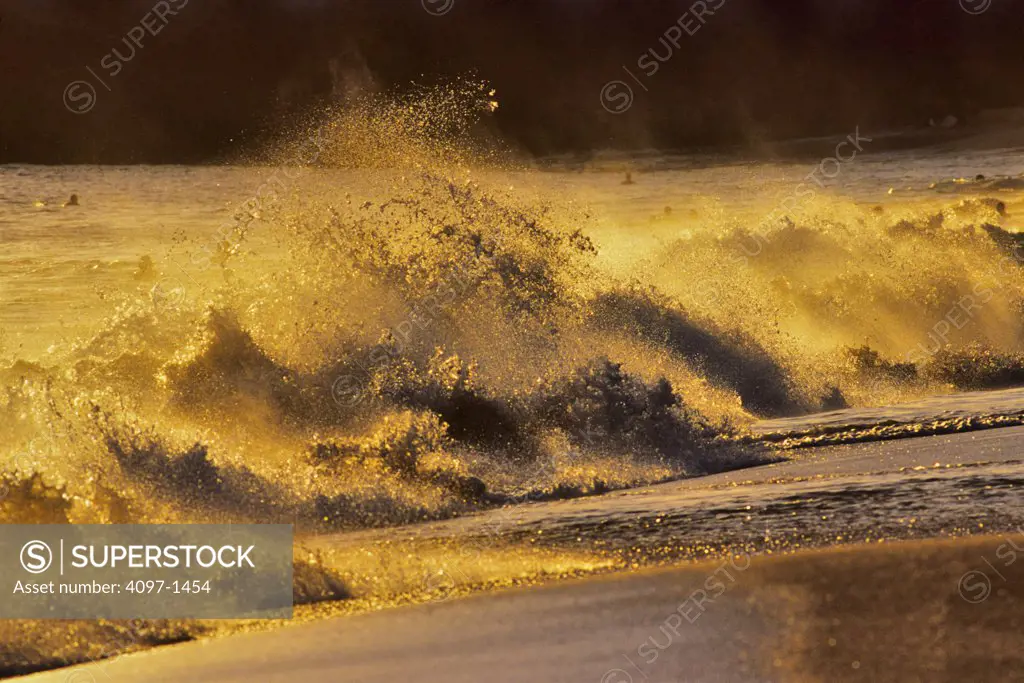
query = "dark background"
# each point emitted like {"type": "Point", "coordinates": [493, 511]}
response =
{"type": "Point", "coordinates": [225, 74]}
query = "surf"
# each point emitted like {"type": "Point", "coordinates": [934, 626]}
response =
{"type": "Point", "coordinates": [409, 324]}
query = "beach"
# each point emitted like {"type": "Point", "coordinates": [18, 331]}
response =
{"type": "Point", "coordinates": [517, 411]}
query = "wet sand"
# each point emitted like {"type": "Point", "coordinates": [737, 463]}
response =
{"type": "Point", "coordinates": [909, 489]}
{"type": "Point", "coordinates": [890, 612]}
{"type": "Point", "coordinates": [928, 611]}
{"type": "Point", "coordinates": [765, 609]}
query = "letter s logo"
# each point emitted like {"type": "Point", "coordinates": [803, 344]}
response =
{"type": "Point", "coordinates": [36, 557]}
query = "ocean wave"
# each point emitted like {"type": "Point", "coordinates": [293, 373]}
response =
{"type": "Point", "coordinates": [437, 341]}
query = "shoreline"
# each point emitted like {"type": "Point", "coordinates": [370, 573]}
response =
{"type": "Point", "coordinates": [858, 612]}
{"type": "Point", "coordinates": [670, 527]}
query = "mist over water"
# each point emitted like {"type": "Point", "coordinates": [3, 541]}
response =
{"type": "Point", "coordinates": [393, 321]}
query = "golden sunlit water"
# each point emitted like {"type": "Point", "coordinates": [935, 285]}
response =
{"type": "Point", "coordinates": [378, 323]}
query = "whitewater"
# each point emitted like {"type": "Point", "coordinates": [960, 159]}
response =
{"type": "Point", "coordinates": [387, 325]}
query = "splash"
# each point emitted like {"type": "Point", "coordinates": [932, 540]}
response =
{"type": "Point", "coordinates": [405, 325]}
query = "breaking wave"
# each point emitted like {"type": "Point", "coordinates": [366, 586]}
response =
{"type": "Point", "coordinates": [428, 339]}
